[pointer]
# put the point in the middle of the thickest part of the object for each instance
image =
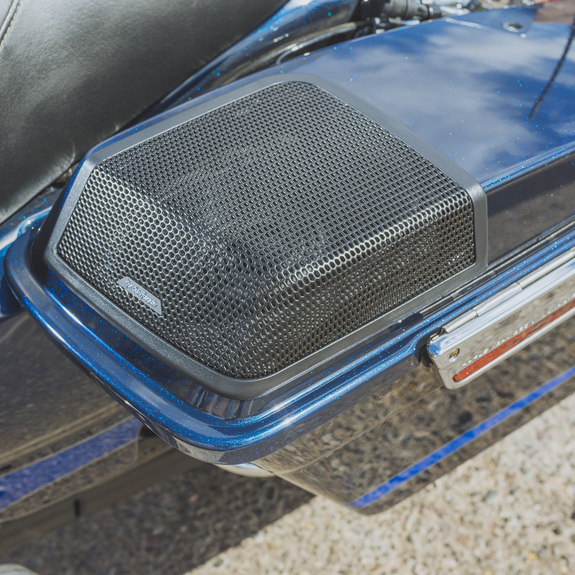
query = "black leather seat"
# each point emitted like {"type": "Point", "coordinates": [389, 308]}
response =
{"type": "Point", "coordinates": [74, 73]}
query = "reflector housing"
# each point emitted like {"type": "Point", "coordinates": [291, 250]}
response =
{"type": "Point", "coordinates": [501, 326]}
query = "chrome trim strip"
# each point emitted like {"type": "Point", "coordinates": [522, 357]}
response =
{"type": "Point", "coordinates": [546, 269]}
{"type": "Point", "coordinates": [461, 320]}
{"type": "Point", "coordinates": [509, 291]}
{"type": "Point", "coordinates": [502, 296]}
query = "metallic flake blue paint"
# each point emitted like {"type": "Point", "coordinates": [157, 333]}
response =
{"type": "Point", "coordinates": [465, 88]}
{"type": "Point", "coordinates": [459, 442]}
{"type": "Point", "coordinates": [27, 218]}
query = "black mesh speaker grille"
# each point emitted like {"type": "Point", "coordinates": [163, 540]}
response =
{"type": "Point", "coordinates": [268, 228]}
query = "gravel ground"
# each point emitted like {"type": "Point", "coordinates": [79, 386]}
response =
{"type": "Point", "coordinates": [508, 511]}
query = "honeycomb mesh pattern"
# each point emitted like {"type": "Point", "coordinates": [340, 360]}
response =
{"type": "Point", "coordinates": [268, 228]}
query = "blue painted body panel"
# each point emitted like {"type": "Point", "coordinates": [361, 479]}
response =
{"type": "Point", "coordinates": [468, 90]}
{"type": "Point", "coordinates": [468, 87]}
{"type": "Point", "coordinates": [32, 215]}
{"type": "Point", "coordinates": [464, 88]}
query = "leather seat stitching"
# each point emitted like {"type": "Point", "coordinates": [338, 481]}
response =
{"type": "Point", "coordinates": [15, 6]}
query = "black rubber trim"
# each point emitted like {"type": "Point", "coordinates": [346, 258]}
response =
{"type": "Point", "coordinates": [249, 388]}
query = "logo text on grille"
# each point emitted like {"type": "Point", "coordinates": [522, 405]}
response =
{"type": "Point", "coordinates": [143, 295]}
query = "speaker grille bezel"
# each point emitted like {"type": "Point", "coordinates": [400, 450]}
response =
{"type": "Point", "coordinates": [241, 387]}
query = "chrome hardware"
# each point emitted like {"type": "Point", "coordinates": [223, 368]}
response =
{"type": "Point", "coordinates": [499, 327]}
{"type": "Point", "coordinates": [246, 469]}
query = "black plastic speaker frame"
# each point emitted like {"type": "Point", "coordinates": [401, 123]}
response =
{"type": "Point", "coordinates": [248, 388]}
